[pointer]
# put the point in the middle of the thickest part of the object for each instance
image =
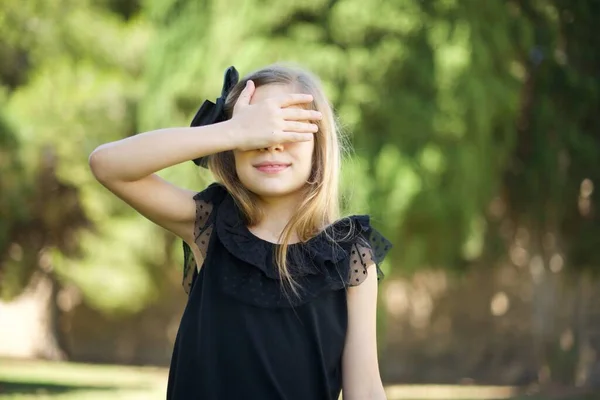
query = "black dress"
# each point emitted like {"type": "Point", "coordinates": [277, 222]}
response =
{"type": "Point", "coordinates": [241, 336]}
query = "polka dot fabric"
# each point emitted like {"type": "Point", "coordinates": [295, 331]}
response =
{"type": "Point", "coordinates": [247, 270]}
{"type": "Point", "coordinates": [203, 228]}
{"type": "Point", "coordinates": [282, 345]}
{"type": "Point", "coordinates": [366, 253]}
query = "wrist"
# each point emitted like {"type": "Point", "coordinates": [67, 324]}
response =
{"type": "Point", "coordinates": [233, 133]}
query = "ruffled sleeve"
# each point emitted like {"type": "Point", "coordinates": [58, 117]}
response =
{"type": "Point", "coordinates": [338, 257]}
{"type": "Point", "coordinates": [206, 203]}
{"type": "Point", "coordinates": [368, 248]}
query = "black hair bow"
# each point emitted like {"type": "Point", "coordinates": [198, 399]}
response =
{"type": "Point", "coordinates": [211, 113]}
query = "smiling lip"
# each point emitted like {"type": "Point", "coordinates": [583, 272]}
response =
{"type": "Point", "coordinates": [271, 167]}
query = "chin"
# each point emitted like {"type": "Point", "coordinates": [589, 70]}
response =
{"type": "Point", "coordinates": [277, 185]}
{"type": "Point", "coordinates": [272, 188]}
{"type": "Point", "coordinates": [265, 183]}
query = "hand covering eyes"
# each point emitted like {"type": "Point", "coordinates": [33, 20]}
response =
{"type": "Point", "coordinates": [211, 113]}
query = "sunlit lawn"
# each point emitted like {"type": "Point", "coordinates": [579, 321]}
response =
{"type": "Point", "coordinates": [24, 380]}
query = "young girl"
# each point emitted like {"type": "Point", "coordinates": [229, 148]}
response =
{"type": "Point", "coordinates": [282, 293]}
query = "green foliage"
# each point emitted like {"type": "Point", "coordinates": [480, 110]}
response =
{"type": "Point", "coordinates": [451, 106]}
{"type": "Point", "coordinates": [80, 91]}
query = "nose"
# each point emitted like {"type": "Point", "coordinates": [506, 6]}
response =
{"type": "Point", "coordinates": [275, 148]}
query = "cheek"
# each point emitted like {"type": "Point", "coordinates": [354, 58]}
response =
{"type": "Point", "coordinates": [303, 155]}
{"type": "Point", "coordinates": [242, 162]}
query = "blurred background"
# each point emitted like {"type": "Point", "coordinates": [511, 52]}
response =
{"type": "Point", "coordinates": [476, 149]}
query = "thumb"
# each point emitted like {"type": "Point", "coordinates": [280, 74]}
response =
{"type": "Point", "coordinates": [246, 95]}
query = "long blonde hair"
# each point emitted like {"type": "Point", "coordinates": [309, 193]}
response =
{"type": "Point", "coordinates": [320, 205]}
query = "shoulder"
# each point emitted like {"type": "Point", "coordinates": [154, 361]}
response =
{"type": "Point", "coordinates": [364, 245]}
{"type": "Point", "coordinates": [207, 202]}
{"type": "Point", "coordinates": [214, 193]}
{"type": "Point", "coordinates": [359, 230]}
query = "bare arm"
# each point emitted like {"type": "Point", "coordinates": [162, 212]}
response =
{"type": "Point", "coordinates": [127, 168]}
{"type": "Point", "coordinates": [360, 369]}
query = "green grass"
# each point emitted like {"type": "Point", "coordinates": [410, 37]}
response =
{"type": "Point", "coordinates": [25, 380]}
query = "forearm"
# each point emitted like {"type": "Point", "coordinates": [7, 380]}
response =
{"type": "Point", "coordinates": [375, 392]}
{"type": "Point", "coordinates": [138, 156]}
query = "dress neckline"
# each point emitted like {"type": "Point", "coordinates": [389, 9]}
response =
{"type": "Point", "coordinates": [249, 272]}
{"type": "Point", "coordinates": [269, 243]}
{"type": "Point", "coordinates": [312, 254]}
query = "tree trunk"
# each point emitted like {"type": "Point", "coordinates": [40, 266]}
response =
{"type": "Point", "coordinates": [31, 322]}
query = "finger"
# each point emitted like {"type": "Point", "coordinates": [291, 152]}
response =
{"type": "Point", "coordinates": [293, 99]}
{"type": "Point", "coordinates": [301, 127]}
{"type": "Point", "coordinates": [299, 114]}
{"type": "Point", "coordinates": [291, 137]}
{"type": "Point", "coordinates": [246, 95]}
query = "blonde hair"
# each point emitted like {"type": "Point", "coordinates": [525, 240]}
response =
{"type": "Point", "coordinates": [320, 205]}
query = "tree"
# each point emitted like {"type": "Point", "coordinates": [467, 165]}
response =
{"type": "Point", "coordinates": [67, 86]}
{"type": "Point", "coordinates": [473, 125]}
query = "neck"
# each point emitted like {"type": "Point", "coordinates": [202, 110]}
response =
{"type": "Point", "coordinates": [277, 211]}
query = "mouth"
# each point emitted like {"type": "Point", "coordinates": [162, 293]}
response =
{"type": "Point", "coordinates": [271, 167]}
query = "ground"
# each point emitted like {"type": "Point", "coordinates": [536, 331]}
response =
{"type": "Point", "coordinates": [25, 380]}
